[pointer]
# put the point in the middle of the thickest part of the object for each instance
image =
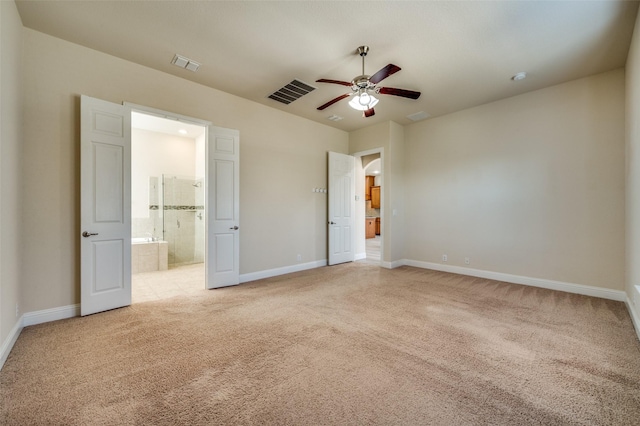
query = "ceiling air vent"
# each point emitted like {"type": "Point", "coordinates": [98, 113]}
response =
{"type": "Point", "coordinates": [418, 116]}
{"type": "Point", "coordinates": [290, 92]}
{"type": "Point", "coordinates": [186, 63]}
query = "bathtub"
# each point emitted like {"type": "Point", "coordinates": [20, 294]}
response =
{"type": "Point", "coordinates": [149, 256]}
{"type": "Point", "coordinates": [136, 240]}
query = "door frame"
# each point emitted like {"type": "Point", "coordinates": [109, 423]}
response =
{"type": "Point", "coordinates": [188, 120]}
{"type": "Point", "coordinates": [361, 212]}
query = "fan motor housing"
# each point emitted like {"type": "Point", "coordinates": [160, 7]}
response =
{"type": "Point", "coordinates": [362, 82]}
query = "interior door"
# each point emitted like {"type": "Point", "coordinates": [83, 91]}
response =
{"type": "Point", "coordinates": [223, 208]}
{"type": "Point", "coordinates": [342, 205]}
{"type": "Point", "coordinates": [105, 202]}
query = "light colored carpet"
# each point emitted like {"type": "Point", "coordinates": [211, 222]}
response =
{"type": "Point", "coordinates": [350, 344]}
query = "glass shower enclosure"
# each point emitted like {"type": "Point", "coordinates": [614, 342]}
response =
{"type": "Point", "coordinates": [183, 218]}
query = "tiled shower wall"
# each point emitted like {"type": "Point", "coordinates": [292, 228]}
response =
{"type": "Point", "coordinates": [151, 225]}
{"type": "Point", "coordinates": [176, 215]}
{"type": "Point", "coordinates": [183, 219]}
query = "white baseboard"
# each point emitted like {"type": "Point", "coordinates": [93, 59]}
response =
{"type": "Point", "coordinates": [586, 290]}
{"type": "Point", "coordinates": [394, 264]}
{"type": "Point", "coordinates": [33, 318]}
{"type": "Point", "coordinates": [635, 315]}
{"type": "Point", "coordinates": [8, 343]}
{"type": "Point", "coordinates": [53, 314]}
{"type": "Point", "coordinates": [633, 305]}
{"type": "Point", "coordinates": [360, 256]}
{"type": "Point", "coordinates": [252, 276]}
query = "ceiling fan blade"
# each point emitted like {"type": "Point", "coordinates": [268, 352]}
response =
{"type": "Point", "coordinates": [384, 73]}
{"type": "Point", "coordinates": [333, 101]}
{"type": "Point", "coordinates": [343, 83]}
{"type": "Point", "coordinates": [399, 92]}
{"type": "Point", "coordinates": [368, 113]}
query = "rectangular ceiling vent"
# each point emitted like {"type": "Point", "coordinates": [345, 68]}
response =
{"type": "Point", "coordinates": [418, 116]}
{"type": "Point", "coordinates": [292, 91]}
{"type": "Point", "coordinates": [186, 63]}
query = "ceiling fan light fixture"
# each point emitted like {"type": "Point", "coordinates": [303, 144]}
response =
{"type": "Point", "coordinates": [364, 99]}
{"type": "Point", "coordinates": [364, 85]}
{"type": "Point", "coordinates": [363, 102]}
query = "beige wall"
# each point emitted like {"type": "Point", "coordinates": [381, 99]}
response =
{"type": "Point", "coordinates": [282, 157]}
{"type": "Point", "coordinates": [389, 138]}
{"type": "Point", "coordinates": [632, 135]}
{"type": "Point", "coordinates": [532, 185]}
{"type": "Point", "coordinates": [152, 155]}
{"type": "Point", "coordinates": [10, 163]}
{"type": "Point", "coordinates": [395, 196]}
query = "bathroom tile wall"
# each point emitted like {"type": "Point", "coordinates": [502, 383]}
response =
{"type": "Point", "coordinates": [151, 225]}
{"type": "Point", "coordinates": [199, 222]}
{"type": "Point", "coordinates": [183, 228]}
{"type": "Point", "coordinates": [149, 257]}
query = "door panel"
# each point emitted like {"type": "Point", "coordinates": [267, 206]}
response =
{"type": "Point", "coordinates": [108, 267]}
{"type": "Point", "coordinates": [341, 208]}
{"type": "Point", "coordinates": [105, 198]}
{"type": "Point", "coordinates": [224, 252]}
{"type": "Point", "coordinates": [223, 198]}
{"type": "Point", "coordinates": [108, 161]}
{"type": "Point", "coordinates": [224, 190]}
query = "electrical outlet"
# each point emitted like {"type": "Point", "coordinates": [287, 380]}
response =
{"type": "Point", "coordinates": [299, 257]}
{"type": "Point", "coordinates": [467, 261]}
{"type": "Point", "coordinates": [17, 309]}
{"type": "Point", "coordinates": [444, 258]}
{"type": "Point", "coordinates": [636, 295]}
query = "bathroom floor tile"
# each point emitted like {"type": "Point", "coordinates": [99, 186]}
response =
{"type": "Point", "coordinates": [149, 286]}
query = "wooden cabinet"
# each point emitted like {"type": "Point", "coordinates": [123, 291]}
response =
{"type": "Point", "coordinates": [375, 197]}
{"type": "Point", "coordinates": [369, 181]}
{"type": "Point", "coordinates": [377, 226]}
{"type": "Point", "coordinates": [370, 227]}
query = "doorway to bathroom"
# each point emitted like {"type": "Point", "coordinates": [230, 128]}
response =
{"type": "Point", "coordinates": [167, 207]}
{"type": "Point", "coordinates": [106, 204]}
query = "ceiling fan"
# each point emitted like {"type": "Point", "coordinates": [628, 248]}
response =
{"type": "Point", "coordinates": [363, 86]}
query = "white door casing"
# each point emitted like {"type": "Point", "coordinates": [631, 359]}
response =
{"type": "Point", "coordinates": [105, 199]}
{"type": "Point", "coordinates": [341, 208]}
{"type": "Point", "coordinates": [223, 207]}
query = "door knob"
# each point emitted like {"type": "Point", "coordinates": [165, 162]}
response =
{"type": "Point", "coordinates": [88, 234]}
{"type": "Point", "coordinates": [332, 223]}
{"type": "Point", "coordinates": [235, 228]}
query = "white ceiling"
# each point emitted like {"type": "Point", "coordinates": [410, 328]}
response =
{"type": "Point", "coordinates": [164, 125]}
{"type": "Point", "coordinates": [373, 168]}
{"type": "Point", "coordinates": [458, 54]}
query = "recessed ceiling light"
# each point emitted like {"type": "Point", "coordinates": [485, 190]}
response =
{"type": "Point", "coordinates": [519, 76]}
{"type": "Point", "coordinates": [182, 131]}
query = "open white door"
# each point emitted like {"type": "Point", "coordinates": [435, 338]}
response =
{"type": "Point", "coordinates": [223, 208]}
{"type": "Point", "coordinates": [342, 205]}
{"type": "Point", "coordinates": [105, 202]}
